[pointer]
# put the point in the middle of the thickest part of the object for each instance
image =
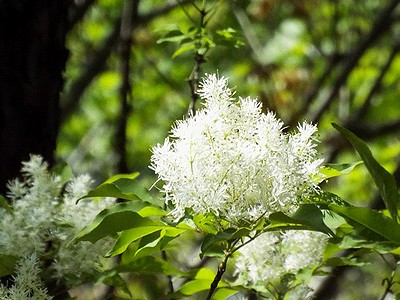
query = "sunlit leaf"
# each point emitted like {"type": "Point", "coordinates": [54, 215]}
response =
{"type": "Point", "coordinates": [205, 223]}
{"type": "Point", "coordinates": [223, 293]}
{"type": "Point", "coordinates": [122, 186]}
{"type": "Point", "coordinates": [131, 235]}
{"type": "Point", "coordinates": [183, 48]}
{"type": "Point", "coordinates": [323, 198]}
{"type": "Point", "coordinates": [334, 170]}
{"type": "Point", "coordinates": [115, 219]}
{"type": "Point", "coordinates": [201, 282]}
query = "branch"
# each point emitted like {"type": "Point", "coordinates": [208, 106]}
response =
{"type": "Point", "coordinates": [381, 24]}
{"type": "Point", "coordinates": [368, 132]}
{"type": "Point", "coordinates": [95, 65]}
{"type": "Point", "coordinates": [377, 85]}
{"type": "Point", "coordinates": [129, 16]}
{"type": "Point", "coordinates": [98, 62]}
{"type": "Point", "coordinates": [334, 60]}
{"type": "Point", "coordinates": [218, 276]}
{"type": "Point", "coordinates": [199, 58]}
{"type": "Point", "coordinates": [77, 12]}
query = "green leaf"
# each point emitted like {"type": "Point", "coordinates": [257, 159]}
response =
{"type": "Point", "coordinates": [385, 181]}
{"type": "Point", "coordinates": [201, 282]}
{"type": "Point", "coordinates": [344, 261]}
{"type": "Point", "coordinates": [228, 37]}
{"type": "Point", "coordinates": [122, 186]}
{"type": "Point", "coordinates": [174, 36]}
{"type": "Point", "coordinates": [7, 264]}
{"type": "Point", "coordinates": [213, 245]}
{"type": "Point", "coordinates": [112, 278]}
{"type": "Point", "coordinates": [115, 219]}
{"type": "Point", "coordinates": [131, 235]}
{"type": "Point", "coordinates": [194, 286]}
{"type": "Point", "coordinates": [323, 198]}
{"type": "Point", "coordinates": [372, 220]}
{"type": "Point", "coordinates": [334, 170]}
{"type": "Point", "coordinates": [4, 204]}
{"type": "Point", "coordinates": [308, 216]}
{"type": "Point", "coordinates": [357, 242]}
{"type": "Point", "coordinates": [184, 48]}
{"type": "Point", "coordinates": [223, 293]}
{"type": "Point", "coordinates": [149, 265]}
{"type": "Point", "coordinates": [205, 223]}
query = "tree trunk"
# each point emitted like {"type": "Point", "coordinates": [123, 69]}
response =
{"type": "Point", "coordinates": [32, 59]}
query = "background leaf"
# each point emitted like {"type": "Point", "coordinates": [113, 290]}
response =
{"type": "Point", "coordinates": [383, 179]}
{"type": "Point", "coordinates": [377, 222]}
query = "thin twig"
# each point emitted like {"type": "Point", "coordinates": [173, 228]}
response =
{"type": "Point", "coordinates": [389, 281]}
{"type": "Point", "coordinates": [199, 58]}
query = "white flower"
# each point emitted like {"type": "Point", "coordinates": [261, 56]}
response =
{"type": "Point", "coordinates": [27, 282]}
{"type": "Point", "coordinates": [234, 161]}
{"type": "Point", "coordinates": [268, 258]}
{"type": "Point", "coordinates": [44, 216]}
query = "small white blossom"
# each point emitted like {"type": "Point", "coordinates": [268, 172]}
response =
{"type": "Point", "coordinates": [234, 161]}
{"type": "Point", "coordinates": [268, 258]}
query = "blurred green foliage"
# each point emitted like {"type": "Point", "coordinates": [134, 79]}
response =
{"type": "Point", "coordinates": [292, 57]}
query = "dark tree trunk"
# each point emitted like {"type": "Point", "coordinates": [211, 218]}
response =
{"type": "Point", "coordinates": [32, 60]}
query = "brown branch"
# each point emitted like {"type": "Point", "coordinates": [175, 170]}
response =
{"type": "Point", "coordinates": [199, 58]}
{"type": "Point", "coordinates": [381, 24]}
{"type": "Point", "coordinates": [218, 276]}
{"type": "Point", "coordinates": [193, 81]}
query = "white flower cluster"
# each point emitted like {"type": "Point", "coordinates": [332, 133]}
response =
{"type": "Point", "coordinates": [42, 219]}
{"type": "Point", "coordinates": [27, 282]}
{"type": "Point", "coordinates": [234, 161]}
{"type": "Point", "coordinates": [268, 258]}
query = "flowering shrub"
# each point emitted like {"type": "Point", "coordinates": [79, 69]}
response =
{"type": "Point", "coordinates": [234, 179]}
{"type": "Point", "coordinates": [27, 282]}
{"type": "Point", "coordinates": [234, 161]}
{"type": "Point", "coordinates": [40, 221]}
